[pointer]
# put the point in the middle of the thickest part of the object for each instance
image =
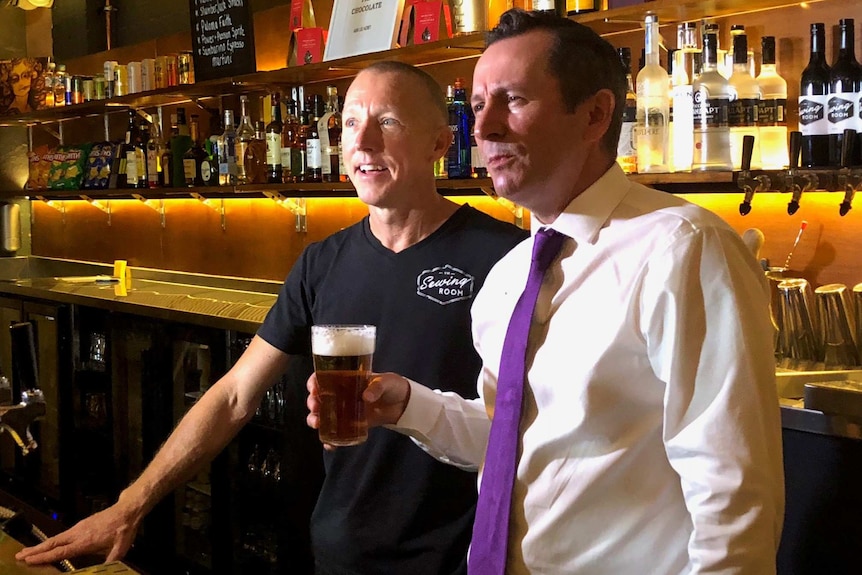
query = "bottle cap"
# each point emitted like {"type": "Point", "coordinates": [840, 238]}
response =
{"type": "Point", "coordinates": [767, 45]}
{"type": "Point", "coordinates": [740, 49]}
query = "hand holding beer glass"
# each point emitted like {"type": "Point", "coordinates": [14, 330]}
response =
{"type": "Point", "coordinates": [342, 364]}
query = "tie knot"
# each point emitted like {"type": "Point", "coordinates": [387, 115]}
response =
{"type": "Point", "coordinates": [546, 245]}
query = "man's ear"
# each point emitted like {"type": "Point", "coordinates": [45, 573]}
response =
{"type": "Point", "coordinates": [601, 113]}
{"type": "Point", "coordinates": [442, 142]}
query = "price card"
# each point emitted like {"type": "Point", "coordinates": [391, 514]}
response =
{"type": "Point", "coordinates": [362, 26]}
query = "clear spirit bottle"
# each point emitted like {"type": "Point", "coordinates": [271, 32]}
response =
{"type": "Point", "coordinates": [745, 98]}
{"type": "Point", "coordinates": [244, 136]}
{"type": "Point", "coordinates": [711, 100]}
{"type": "Point", "coordinates": [653, 108]}
{"type": "Point", "coordinates": [684, 70]}
{"type": "Point", "coordinates": [772, 110]}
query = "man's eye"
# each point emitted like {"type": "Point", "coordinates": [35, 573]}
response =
{"type": "Point", "coordinates": [478, 108]}
{"type": "Point", "coordinates": [387, 122]}
{"type": "Point", "coordinates": [350, 123]}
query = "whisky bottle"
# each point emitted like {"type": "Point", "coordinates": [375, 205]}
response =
{"type": "Point", "coordinates": [289, 133]}
{"type": "Point", "coordinates": [744, 100]}
{"type": "Point", "coordinates": [155, 151]}
{"type": "Point", "coordinates": [652, 106]}
{"type": "Point", "coordinates": [772, 110]}
{"type": "Point", "coordinates": [273, 142]}
{"type": "Point", "coordinates": [813, 98]}
{"type": "Point", "coordinates": [227, 165]}
{"type": "Point", "coordinates": [329, 128]}
{"type": "Point", "coordinates": [845, 85]}
{"type": "Point", "coordinates": [244, 136]}
{"type": "Point", "coordinates": [711, 99]}
{"type": "Point", "coordinates": [627, 156]}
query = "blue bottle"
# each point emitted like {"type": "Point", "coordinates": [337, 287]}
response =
{"type": "Point", "coordinates": [458, 157]}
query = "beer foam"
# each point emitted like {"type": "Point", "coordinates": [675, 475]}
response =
{"type": "Point", "coordinates": [358, 340]}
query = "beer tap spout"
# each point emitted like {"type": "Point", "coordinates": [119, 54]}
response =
{"type": "Point", "coordinates": [790, 176]}
{"type": "Point", "coordinates": [845, 177]}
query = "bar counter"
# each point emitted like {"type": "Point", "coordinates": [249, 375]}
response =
{"type": "Point", "coordinates": [211, 301]}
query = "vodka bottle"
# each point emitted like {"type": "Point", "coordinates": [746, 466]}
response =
{"type": "Point", "coordinates": [627, 156]}
{"type": "Point", "coordinates": [711, 100]}
{"type": "Point", "coordinates": [813, 97]}
{"type": "Point", "coordinates": [845, 89]}
{"type": "Point", "coordinates": [772, 110]}
{"type": "Point", "coordinates": [745, 97]}
{"type": "Point", "coordinates": [244, 136]}
{"type": "Point", "coordinates": [683, 113]}
{"type": "Point", "coordinates": [652, 106]}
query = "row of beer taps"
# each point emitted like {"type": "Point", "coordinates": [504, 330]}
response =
{"type": "Point", "coordinates": [795, 180]}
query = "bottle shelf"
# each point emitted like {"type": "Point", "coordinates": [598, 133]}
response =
{"type": "Point", "coordinates": [465, 187]}
{"type": "Point", "coordinates": [630, 18]}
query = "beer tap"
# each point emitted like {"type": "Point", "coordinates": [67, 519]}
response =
{"type": "Point", "coordinates": [16, 419]}
{"type": "Point", "coordinates": [745, 181]}
{"type": "Point", "coordinates": [790, 177]}
{"type": "Point", "coordinates": [845, 180]}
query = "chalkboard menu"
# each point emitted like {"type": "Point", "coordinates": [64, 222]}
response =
{"type": "Point", "coordinates": [222, 38]}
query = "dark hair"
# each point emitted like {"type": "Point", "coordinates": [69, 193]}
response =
{"type": "Point", "coordinates": [581, 60]}
{"type": "Point", "coordinates": [432, 88]}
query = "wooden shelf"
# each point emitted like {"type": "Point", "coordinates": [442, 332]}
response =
{"type": "Point", "coordinates": [630, 18]}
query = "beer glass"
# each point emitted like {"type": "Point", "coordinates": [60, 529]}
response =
{"type": "Point", "coordinates": [342, 362]}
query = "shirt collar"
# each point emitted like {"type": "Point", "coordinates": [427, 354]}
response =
{"type": "Point", "coordinates": [588, 213]}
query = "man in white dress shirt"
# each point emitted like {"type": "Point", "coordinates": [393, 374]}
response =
{"type": "Point", "coordinates": [650, 441]}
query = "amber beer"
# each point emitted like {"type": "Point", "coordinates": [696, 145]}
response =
{"type": "Point", "coordinates": [342, 362]}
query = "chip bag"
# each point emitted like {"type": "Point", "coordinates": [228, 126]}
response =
{"type": "Point", "coordinates": [40, 165]}
{"type": "Point", "coordinates": [100, 170]}
{"type": "Point", "coordinates": [67, 167]}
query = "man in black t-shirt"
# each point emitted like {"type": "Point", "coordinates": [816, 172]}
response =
{"type": "Point", "coordinates": [411, 268]}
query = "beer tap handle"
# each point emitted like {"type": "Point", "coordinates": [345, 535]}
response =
{"type": "Point", "coordinates": [790, 183]}
{"type": "Point", "coordinates": [844, 173]}
{"type": "Point", "coordinates": [745, 175]}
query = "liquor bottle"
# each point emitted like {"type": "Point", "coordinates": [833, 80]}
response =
{"type": "Point", "coordinates": [313, 151]}
{"type": "Point", "coordinates": [711, 99]}
{"type": "Point", "coordinates": [772, 110]}
{"type": "Point", "coordinates": [441, 164]}
{"type": "Point", "coordinates": [244, 135]}
{"type": "Point", "coordinates": [670, 124]}
{"type": "Point", "coordinates": [59, 86]}
{"type": "Point", "coordinates": [744, 99]}
{"type": "Point", "coordinates": [273, 142]}
{"type": "Point", "coordinates": [575, 7]}
{"type": "Point", "coordinates": [329, 129]}
{"type": "Point", "coordinates": [194, 156]}
{"type": "Point", "coordinates": [209, 164]}
{"type": "Point", "coordinates": [845, 88]}
{"type": "Point", "coordinates": [291, 159]}
{"type": "Point", "coordinates": [652, 106]}
{"type": "Point", "coordinates": [684, 70]}
{"type": "Point", "coordinates": [255, 155]}
{"type": "Point", "coordinates": [126, 146]}
{"type": "Point", "coordinates": [136, 156]}
{"type": "Point", "coordinates": [813, 98]}
{"type": "Point", "coordinates": [155, 151]}
{"type": "Point", "coordinates": [227, 164]}
{"type": "Point", "coordinates": [458, 159]}
{"type": "Point", "coordinates": [180, 144]}
{"type": "Point", "coordinates": [49, 84]}
{"type": "Point", "coordinates": [557, 7]}
{"type": "Point", "coordinates": [727, 69]}
{"type": "Point", "coordinates": [627, 156]}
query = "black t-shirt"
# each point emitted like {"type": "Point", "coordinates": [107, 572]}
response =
{"type": "Point", "coordinates": [387, 507]}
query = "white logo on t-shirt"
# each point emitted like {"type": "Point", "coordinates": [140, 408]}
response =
{"type": "Point", "coordinates": [445, 285]}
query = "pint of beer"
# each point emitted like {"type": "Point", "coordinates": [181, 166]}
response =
{"type": "Point", "coordinates": [342, 362]}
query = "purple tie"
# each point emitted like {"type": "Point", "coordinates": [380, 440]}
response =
{"type": "Point", "coordinates": [491, 528]}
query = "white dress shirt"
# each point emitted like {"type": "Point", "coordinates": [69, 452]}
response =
{"type": "Point", "coordinates": [650, 434]}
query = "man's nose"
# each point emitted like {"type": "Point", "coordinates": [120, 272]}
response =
{"type": "Point", "coordinates": [490, 123]}
{"type": "Point", "coordinates": [367, 136]}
